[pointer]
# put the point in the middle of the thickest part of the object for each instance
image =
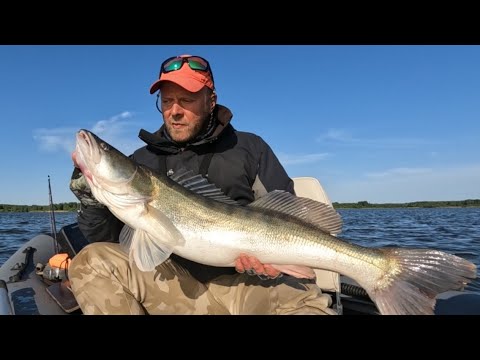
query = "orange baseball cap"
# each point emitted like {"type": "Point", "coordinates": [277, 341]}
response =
{"type": "Point", "coordinates": [188, 78]}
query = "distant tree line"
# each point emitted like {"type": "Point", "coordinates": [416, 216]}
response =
{"type": "Point", "coordinates": [416, 204]}
{"type": "Point", "coordinates": [74, 206]}
{"type": "Point", "coordinates": [70, 206]}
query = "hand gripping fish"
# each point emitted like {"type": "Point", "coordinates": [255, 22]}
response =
{"type": "Point", "coordinates": [194, 219]}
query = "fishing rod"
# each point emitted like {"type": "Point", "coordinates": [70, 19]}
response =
{"type": "Point", "coordinates": [52, 217]}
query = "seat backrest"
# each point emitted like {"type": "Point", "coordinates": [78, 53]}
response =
{"type": "Point", "coordinates": [311, 188]}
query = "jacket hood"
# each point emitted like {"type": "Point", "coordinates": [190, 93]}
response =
{"type": "Point", "coordinates": [159, 142]}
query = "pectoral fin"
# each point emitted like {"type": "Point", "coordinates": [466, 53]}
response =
{"type": "Point", "coordinates": [150, 249]}
{"type": "Point", "coordinates": [148, 252]}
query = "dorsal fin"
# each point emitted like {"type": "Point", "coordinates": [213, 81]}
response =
{"type": "Point", "coordinates": [314, 212]}
{"type": "Point", "coordinates": [200, 185]}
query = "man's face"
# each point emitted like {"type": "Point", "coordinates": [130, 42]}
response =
{"type": "Point", "coordinates": [185, 113]}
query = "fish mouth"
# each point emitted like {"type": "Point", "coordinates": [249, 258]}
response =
{"type": "Point", "coordinates": [94, 158]}
{"type": "Point", "coordinates": [86, 143]}
{"type": "Point", "coordinates": [86, 148]}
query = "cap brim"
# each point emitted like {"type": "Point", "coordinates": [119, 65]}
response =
{"type": "Point", "coordinates": [155, 86]}
{"type": "Point", "coordinates": [187, 82]}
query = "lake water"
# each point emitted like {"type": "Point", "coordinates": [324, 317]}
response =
{"type": "Point", "coordinates": [454, 230]}
{"type": "Point", "coordinates": [17, 228]}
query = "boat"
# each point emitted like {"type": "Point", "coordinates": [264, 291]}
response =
{"type": "Point", "coordinates": [29, 287]}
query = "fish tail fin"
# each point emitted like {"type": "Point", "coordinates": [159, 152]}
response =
{"type": "Point", "coordinates": [416, 277]}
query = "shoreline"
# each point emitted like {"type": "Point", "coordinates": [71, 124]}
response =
{"type": "Point", "coordinates": [467, 203]}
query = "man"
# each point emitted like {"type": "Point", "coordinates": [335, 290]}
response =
{"type": "Point", "coordinates": [196, 135]}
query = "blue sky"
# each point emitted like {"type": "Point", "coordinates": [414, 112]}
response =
{"type": "Point", "coordinates": [376, 123]}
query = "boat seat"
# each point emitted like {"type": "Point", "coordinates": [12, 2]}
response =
{"type": "Point", "coordinates": [311, 188]}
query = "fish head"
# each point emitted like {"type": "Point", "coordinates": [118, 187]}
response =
{"type": "Point", "coordinates": [102, 165]}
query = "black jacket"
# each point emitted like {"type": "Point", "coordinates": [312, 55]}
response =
{"type": "Point", "coordinates": [242, 164]}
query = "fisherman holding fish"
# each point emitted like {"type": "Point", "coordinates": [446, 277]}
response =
{"type": "Point", "coordinates": [196, 136]}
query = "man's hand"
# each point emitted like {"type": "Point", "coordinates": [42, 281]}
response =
{"type": "Point", "coordinates": [251, 265]}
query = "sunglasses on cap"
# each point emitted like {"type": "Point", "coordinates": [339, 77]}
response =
{"type": "Point", "coordinates": [194, 62]}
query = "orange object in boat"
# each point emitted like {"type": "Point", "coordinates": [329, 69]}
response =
{"type": "Point", "coordinates": [61, 261]}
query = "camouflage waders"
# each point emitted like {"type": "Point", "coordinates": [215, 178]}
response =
{"type": "Point", "coordinates": [104, 282]}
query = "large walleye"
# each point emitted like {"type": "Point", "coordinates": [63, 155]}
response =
{"type": "Point", "coordinates": [195, 220]}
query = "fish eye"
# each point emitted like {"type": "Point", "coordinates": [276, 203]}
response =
{"type": "Point", "coordinates": [104, 146]}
